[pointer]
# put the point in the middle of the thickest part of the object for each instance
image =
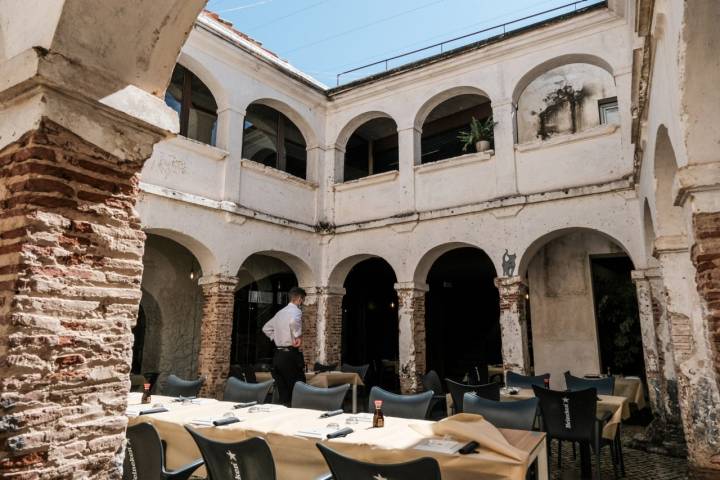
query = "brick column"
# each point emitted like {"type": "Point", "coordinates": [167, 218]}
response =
{"type": "Point", "coordinates": [309, 326]}
{"type": "Point", "coordinates": [666, 428]}
{"type": "Point", "coordinates": [71, 249]}
{"type": "Point", "coordinates": [329, 324]}
{"type": "Point", "coordinates": [216, 332]}
{"type": "Point", "coordinates": [411, 335]}
{"type": "Point", "coordinates": [513, 323]}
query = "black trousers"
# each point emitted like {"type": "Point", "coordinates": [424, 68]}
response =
{"type": "Point", "coordinates": [288, 368]}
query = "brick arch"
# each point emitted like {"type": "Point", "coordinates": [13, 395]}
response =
{"type": "Point", "coordinates": [341, 269]}
{"type": "Point", "coordinates": [205, 257]}
{"type": "Point", "coordinates": [303, 272]}
{"type": "Point", "coordinates": [431, 256]}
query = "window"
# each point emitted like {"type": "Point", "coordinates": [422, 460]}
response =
{"type": "Point", "coordinates": [195, 105]}
{"type": "Point", "coordinates": [371, 149]}
{"type": "Point", "coordinates": [609, 112]}
{"type": "Point", "coordinates": [270, 138]}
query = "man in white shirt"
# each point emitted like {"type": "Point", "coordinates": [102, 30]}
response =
{"type": "Point", "coordinates": [285, 329]}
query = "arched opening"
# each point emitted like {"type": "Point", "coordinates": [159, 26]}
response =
{"type": "Point", "coordinates": [584, 306]}
{"type": "Point", "coordinates": [370, 321]}
{"type": "Point", "coordinates": [669, 217]}
{"type": "Point", "coordinates": [566, 99]}
{"type": "Point", "coordinates": [194, 103]}
{"type": "Point", "coordinates": [371, 149]}
{"type": "Point", "coordinates": [462, 319]}
{"type": "Point", "coordinates": [648, 231]}
{"type": "Point", "coordinates": [271, 138]}
{"type": "Point", "coordinates": [261, 292]}
{"type": "Point", "coordinates": [167, 333]}
{"type": "Point", "coordinates": [445, 122]}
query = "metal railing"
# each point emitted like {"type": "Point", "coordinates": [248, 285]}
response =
{"type": "Point", "coordinates": [441, 45]}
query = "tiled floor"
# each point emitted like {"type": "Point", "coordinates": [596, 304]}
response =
{"type": "Point", "coordinates": [638, 465]}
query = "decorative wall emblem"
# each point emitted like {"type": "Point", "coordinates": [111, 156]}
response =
{"type": "Point", "coordinates": [508, 263]}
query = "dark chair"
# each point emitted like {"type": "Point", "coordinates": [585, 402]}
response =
{"type": "Point", "coordinates": [238, 391]}
{"type": "Point", "coordinates": [478, 374]}
{"type": "Point", "coordinates": [361, 370]}
{"type": "Point", "coordinates": [572, 416]}
{"type": "Point", "coordinates": [344, 468]}
{"type": "Point", "coordinates": [178, 387]}
{"type": "Point", "coordinates": [315, 398]}
{"type": "Point", "coordinates": [403, 406]}
{"type": "Point", "coordinates": [513, 379]}
{"type": "Point", "coordinates": [431, 382]}
{"type": "Point", "coordinates": [319, 367]}
{"type": "Point", "coordinates": [249, 459]}
{"type": "Point", "coordinates": [518, 415]}
{"type": "Point", "coordinates": [604, 386]}
{"type": "Point", "coordinates": [145, 457]}
{"type": "Point", "coordinates": [458, 390]}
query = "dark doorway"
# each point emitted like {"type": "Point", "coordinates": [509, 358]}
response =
{"type": "Point", "coordinates": [462, 317]}
{"type": "Point", "coordinates": [370, 321]}
{"type": "Point", "coordinates": [616, 311]}
{"type": "Point", "coordinates": [138, 332]}
{"type": "Point", "coordinates": [255, 304]}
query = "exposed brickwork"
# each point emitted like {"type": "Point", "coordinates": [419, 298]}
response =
{"type": "Point", "coordinates": [706, 258]}
{"type": "Point", "coordinates": [331, 329]}
{"type": "Point", "coordinates": [513, 323]}
{"type": "Point", "coordinates": [412, 348]}
{"type": "Point", "coordinates": [309, 327]}
{"type": "Point", "coordinates": [216, 333]}
{"type": "Point", "coordinates": [71, 249]}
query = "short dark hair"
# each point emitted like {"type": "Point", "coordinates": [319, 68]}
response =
{"type": "Point", "coordinates": [296, 292]}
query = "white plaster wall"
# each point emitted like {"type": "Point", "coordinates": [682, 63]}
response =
{"type": "Point", "coordinates": [564, 328]}
{"type": "Point", "coordinates": [187, 166]}
{"type": "Point", "coordinates": [595, 82]}
{"type": "Point", "coordinates": [455, 182]}
{"type": "Point", "coordinates": [271, 191]}
{"type": "Point", "coordinates": [366, 200]}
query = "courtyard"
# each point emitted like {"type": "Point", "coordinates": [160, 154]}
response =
{"type": "Point", "coordinates": [215, 262]}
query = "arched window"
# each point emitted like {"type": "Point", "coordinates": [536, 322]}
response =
{"type": "Point", "coordinates": [270, 138]}
{"type": "Point", "coordinates": [446, 121]}
{"type": "Point", "coordinates": [195, 104]}
{"type": "Point", "coordinates": [371, 149]}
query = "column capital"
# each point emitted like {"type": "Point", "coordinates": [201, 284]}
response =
{"type": "Point", "coordinates": [671, 244]}
{"type": "Point", "coordinates": [218, 278]}
{"type": "Point", "coordinates": [414, 128]}
{"type": "Point", "coordinates": [510, 282]}
{"type": "Point", "coordinates": [327, 290]}
{"type": "Point", "coordinates": [416, 286]}
{"type": "Point", "coordinates": [645, 274]}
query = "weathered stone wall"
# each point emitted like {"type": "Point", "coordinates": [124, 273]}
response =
{"type": "Point", "coordinates": [513, 324]}
{"type": "Point", "coordinates": [411, 336]}
{"type": "Point", "coordinates": [329, 325]}
{"type": "Point", "coordinates": [71, 249]}
{"type": "Point", "coordinates": [309, 327]}
{"type": "Point", "coordinates": [216, 333]}
{"type": "Point", "coordinates": [172, 302]}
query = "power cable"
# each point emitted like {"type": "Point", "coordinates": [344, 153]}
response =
{"type": "Point", "coordinates": [361, 27]}
{"type": "Point", "coordinates": [283, 17]}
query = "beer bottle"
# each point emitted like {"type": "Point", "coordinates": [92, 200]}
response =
{"type": "Point", "coordinates": [378, 418]}
{"type": "Point", "coordinates": [546, 381]}
{"type": "Point", "coordinates": [146, 393]}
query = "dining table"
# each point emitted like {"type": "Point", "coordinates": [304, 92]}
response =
{"type": "Point", "coordinates": [292, 433]}
{"type": "Point", "coordinates": [326, 380]}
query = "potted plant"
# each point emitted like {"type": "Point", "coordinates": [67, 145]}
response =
{"type": "Point", "coordinates": [480, 134]}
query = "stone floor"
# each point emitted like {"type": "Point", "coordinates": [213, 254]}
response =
{"type": "Point", "coordinates": [639, 465]}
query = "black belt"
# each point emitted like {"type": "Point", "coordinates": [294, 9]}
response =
{"type": "Point", "coordinates": [287, 349]}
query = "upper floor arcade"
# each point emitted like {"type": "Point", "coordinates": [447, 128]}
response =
{"type": "Point", "coordinates": [544, 110]}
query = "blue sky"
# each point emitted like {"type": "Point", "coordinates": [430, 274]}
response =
{"type": "Point", "coordinates": [326, 37]}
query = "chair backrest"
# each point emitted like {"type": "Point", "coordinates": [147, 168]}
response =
{"type": "Point", "coordinates": [344, 468]}
{"type": "Point", "coordinates": [518, 414]}
{"type": "Point", "coordinates": [249, 459]}
{"type": "Point", "coordinates": [403, 406]}
{"type": "Point", "coordinates": [604, 386]}
{"type": "Point", "coordinates": [568, 415]}
{"type": "Point", "coordinates": [319, 367]}
{"type": "Point", "coordinates": [491, 391]}
{"type": "Point", "coordinates": [315, 398]}
{"type": "Point", "coordinates": [457, 390]}
{"type": "Point", "coordinates": [478, 374]}
{"type": "Point", "coordinates": [431, 381]}
{"type": "Point", "coordinates": [238, 391]}
{"type": "Point", "coordinates": [513, 379]}
{"type": "Point", "coordinates": [143, 453]}
{"type": "Point", "coordinates": [176, 386]}
{"type": "Point", "coordinates": [360, 370]}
